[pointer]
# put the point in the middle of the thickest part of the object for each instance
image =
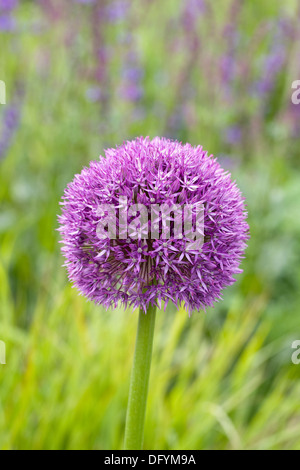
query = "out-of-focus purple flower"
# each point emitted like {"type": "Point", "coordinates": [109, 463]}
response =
{"type": "Point", "coordinates": [7, 23]}
{"type": "Point", "coordinates": [192, 9]}
{"type": "Point", "coordinates": [286, 27]}
{"type": "Point", "coordinates": [233, 135]}
{"type": "Point", "coordinates": [228, 68]}
{"type": "Point", "coordinates": [145, 270]}
{"type": "Point", "coordinates": [9, 126]}
{"type": "Point", "coordinates": [292, 120]}
{"type": "Point", "coordinates": [131, 92]}
{"type": "Point", "coordinates": [131, 88]}
{"type": "Point", "coordinates": [228, 162]}
{"type": "Point", "coordinates": [132, 73]}
{"type": "Point", "coordinates": [8, 5]}
{"type": "Point", "coordinates": [229, 61]}
{"type": "Point", "coordinates": [273, 62]}
{"type": "Point", "coordinates": [7, 20]}
{"type": "Point", "coordinates": [272, 65]}
{"type": "Point", "coordinates": [125, 38]}
{"type": "Point", "coordinates": [116, 11]}
{"type": "Point", "coordinates": [176, 122]}
{"type": "Point", "coordinates": [85, 2]}
{"type": "Point", "coordinates": [94, 94]}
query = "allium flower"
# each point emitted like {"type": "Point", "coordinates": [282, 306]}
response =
{"type": "Point", "coordinates": [140, 270]}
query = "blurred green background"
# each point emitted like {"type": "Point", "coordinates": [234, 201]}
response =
{"type": "Point", "coordinates": [85, 75]}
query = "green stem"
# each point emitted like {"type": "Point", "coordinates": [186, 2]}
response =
{"type": "Point", "coordinates": [138, 392]}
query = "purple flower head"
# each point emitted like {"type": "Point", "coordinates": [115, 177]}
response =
{"type": "Point", "coordinates": [124, 230]}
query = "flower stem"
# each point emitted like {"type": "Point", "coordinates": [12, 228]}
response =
{"type": "Point", "coordinates": [138, 392]}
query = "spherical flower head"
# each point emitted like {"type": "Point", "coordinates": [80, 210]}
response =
{"type": "Point", "coordinates": [152, 221]}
